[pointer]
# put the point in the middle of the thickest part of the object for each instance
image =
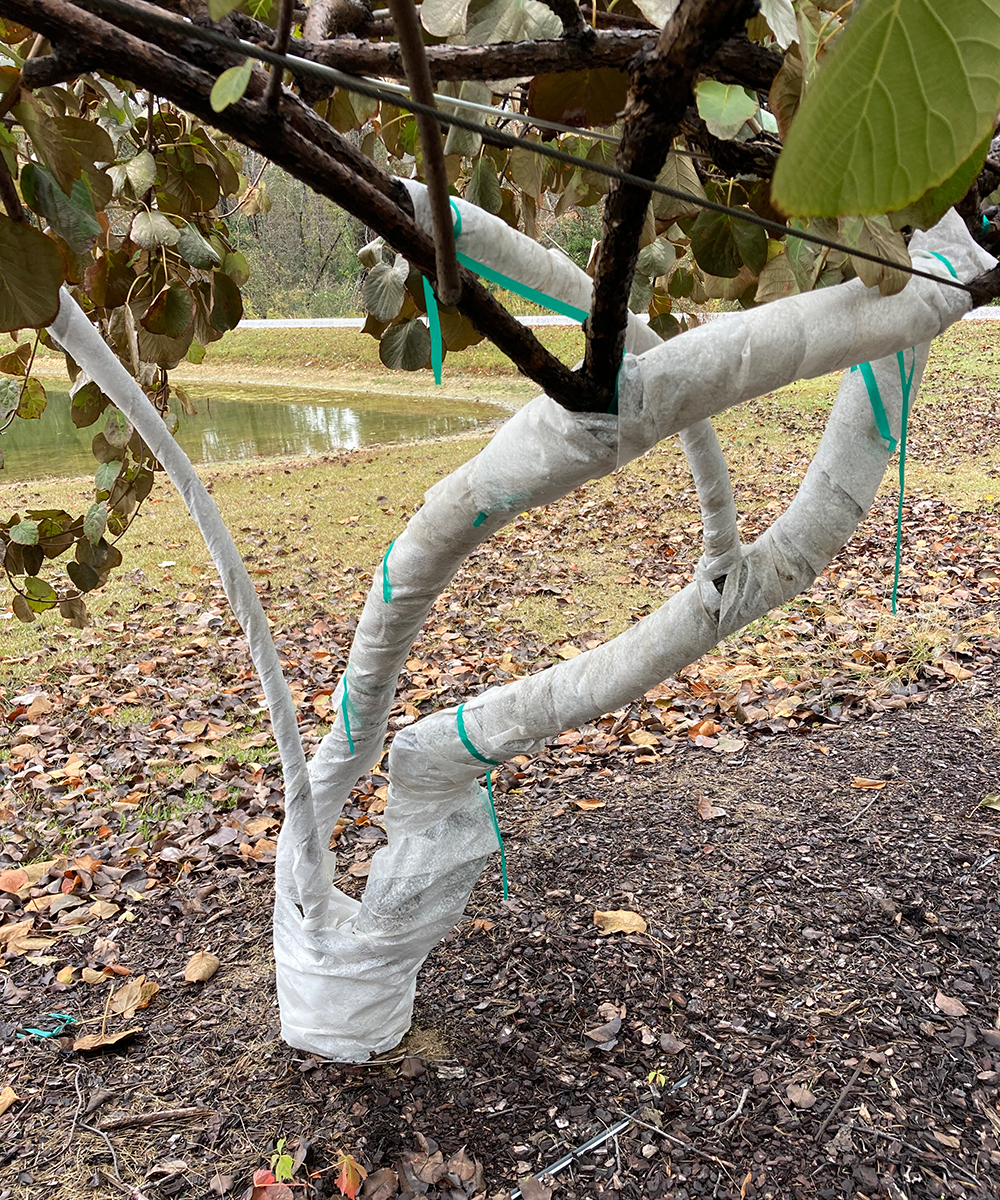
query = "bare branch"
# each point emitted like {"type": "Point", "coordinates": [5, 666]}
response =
{"type": "Point", "coordinates": [658, 98]}
{"type": "Point", "coordinates": [281, 36]}
{"type": "Point", "coordinates": [331, 18]}
{"type": "Point", "coordinates": [418, 76]}
{"type": "Point", "coordinates": [571, 15]}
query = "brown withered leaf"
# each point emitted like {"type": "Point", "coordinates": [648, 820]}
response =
{"type": "Point", "coordinates": [707, 810]}
{"type": "Point", "coordinates": [201, 966]}
{"type": "Point", "coordinates": [98, 1041]}
{"type": "Point", "coordinates": [18, 938]}
{"type": "Point", "coordinates": [588, 805]}
{"type": "Point", "coordinates": [619, 920]}
{"type": "Point", "coordinates": [7, 1097]}
{"type": "Point", "coordinates": [873, 784]}
{"type": "Point", "coordinates": [951, 1006]}
{"type": "Point", "coordinates": [799, 1095]}
{"type": "Point", "coordinates": [133, 995]}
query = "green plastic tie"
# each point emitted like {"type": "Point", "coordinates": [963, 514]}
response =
{"type": "Point", "coordinates": [434, 324]}
{"type": "Point", "coordinates": [906, 382]}
{"type": "Point", "coordinates": [878, 408]}
{"type": "Point", "coordinates": [490, 762]}
{"type": "Point", "coordinates": [514, 285]}
{"type": "Point", "coordinates": [480, 519]}
{"type": "Point", "coordinates": [386, 585]}
{"type": "Point", "coordinates": [945, 261]}
{"type": "Point", "coordinates": [346, 707]}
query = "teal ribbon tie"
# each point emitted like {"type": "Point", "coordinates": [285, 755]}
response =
{"type": "Point", "coordinates": [434, 324]}
{"type": "Point", "coordinates": [346, 709]}
{"type": "Point", "coordinates": [386, 585]}
{"type": "Point", "coordinates": [906, 383]}
{"type": "Point", "coordinates": [882, 421]}
{"type": "Point", "coordinates": [514, 285]}
{"type": "Point", "coordinates": [878, 408]}
{"type": "Point", "coordinates": [490, 762]}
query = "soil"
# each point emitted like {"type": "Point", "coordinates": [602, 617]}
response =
{"type": "Point", "coordinates": [811, 1011]}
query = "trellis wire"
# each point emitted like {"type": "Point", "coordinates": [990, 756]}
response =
{"type": "Point", "coordinates": [352, 83]}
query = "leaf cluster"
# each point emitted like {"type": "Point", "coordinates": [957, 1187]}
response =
{"type": "Point", "coordinates": [121, 204]}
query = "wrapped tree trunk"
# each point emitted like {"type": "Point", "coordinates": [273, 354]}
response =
{"type": "Point", "coordinates": [347, 970]}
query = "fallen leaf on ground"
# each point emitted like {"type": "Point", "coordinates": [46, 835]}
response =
{"type": "Point", "coordinates": [7, 1097]}
{"type": "Point", "coordinates": [671, 1044]}
{"type": "Point", "coordinates": [97, 1041]}
{"type": "Point", "coordinates": [947, 1139]}
{"type": "Point", "coordinates": [266, 1187]}
{"type": "Point", "coordinates": [588, 805]}
{"type": "Point", "coordinates": [14, 881]}
{"type": "Point", "coordinates": [133, 995]}
{"type": "Point", "coordinates": [707, 810]}
{"type": "Point", "coordinates": [382, 1185]}
{"type": "Point", "coordinates": [951, 1006]}
{"type": "Point", "coordinates": [351, 1175]}
{"type": "Point", "coordinates": [17, 938]}
{"type": "Point", "coordinates": [533, 1189]}
{"type": "Point", "coordinates": [619, 920]}
{"type": "Point", "coordinates": [799, 1095]}
{"type": "Point", "coordinates": [201, 966]}
{"type": "Point", "coordinates": [874, 784]}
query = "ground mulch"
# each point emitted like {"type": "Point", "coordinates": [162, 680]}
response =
{"type": "Point", "coordinates": [812, 1010]}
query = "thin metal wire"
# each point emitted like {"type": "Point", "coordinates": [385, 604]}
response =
{"type": "Point", "coordinates": [353, 83]}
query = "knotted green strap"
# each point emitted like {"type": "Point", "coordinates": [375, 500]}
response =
{"type": "Point", "coordinates": [485, 272]}
{"type": "Point", "coordinates": [347, 709]}
{"type": "Point", "coordinates": [882, 421]}
{"type": "Point", "coordinates": [434, 324]}
{"type": "Point", "coordinates": [490, 762]}
{"type": "Point", "coordinates": [386, 585]}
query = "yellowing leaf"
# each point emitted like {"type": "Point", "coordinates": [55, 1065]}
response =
{"type": "Point", "coordinates": [64, 975]}
{"type": "Point", "coordinates": [642, 738]}
{"type": "Point", "coordinates": [7, 1097]}
{"type": "Point", "coordinates": [588, 805]}
{"type": "Point", "coordinates": [874, 784]}
{"type": "Point", "coordinates": [619, 920]}
{"type": "Point", "coordinates": [201, 967]}
{"type": "Point", "coordinates": [92, 976]}
{"type": "Point", "coordinates": [17, 938]}
{"type": "Point", "coordinates": [351, 1175]}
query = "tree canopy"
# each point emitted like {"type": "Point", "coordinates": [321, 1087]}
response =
{"type": "Point", "coordinates": [121, 170]}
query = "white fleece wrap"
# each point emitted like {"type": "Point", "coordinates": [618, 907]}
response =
{"type": "Point", "coordinates": [347, 971]}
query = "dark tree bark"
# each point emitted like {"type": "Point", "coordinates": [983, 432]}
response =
{"type": "Point", "coordinates": [659, 96]}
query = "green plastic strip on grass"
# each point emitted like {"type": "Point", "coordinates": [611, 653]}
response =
{"type": "Point", "coordinates": [490, 762]}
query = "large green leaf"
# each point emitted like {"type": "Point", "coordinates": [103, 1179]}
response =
{"type": "Point", "coordinates": [511, 21]}
{"type": "Point", "coordinates": [72, 216]}
{"type": "Point", "coordinates": [384, 291]}
{"type": "Point", "coordinates": [227, 303]}
{"type": "Point", "coordinates": [151, 229]}
{"type": "Point", "coordinates": [910, 89]}
{"type": "Point", "coordinates": [714, 246]}
{"type": "Point", "coordinates": [88, 404]}
{"type": "Point", "coordinates": [171, 312]}
{"type": "Point", "coordinates": [406, 347]}
{"type": "Point", "coordinates": [724, 107]}
{"type": "Point", "coordinates": [195, 249]}
{"type": "Point", "coordinates": [31, 271]}
{"type": "Point", "coordinates": [935, 202]}
{"type": "Point", "coordinates": [230, 86]}
{"type": "Point", "coordinates": [442, 18]}
{"type": "Point", "coordinates": [484, 186]}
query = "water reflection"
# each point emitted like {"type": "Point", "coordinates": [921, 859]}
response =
{"type": "Point", "coordinates": [259, 423]}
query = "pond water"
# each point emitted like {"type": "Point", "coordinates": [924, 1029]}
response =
{"type": "Point", "coordinates": [236, 422]}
